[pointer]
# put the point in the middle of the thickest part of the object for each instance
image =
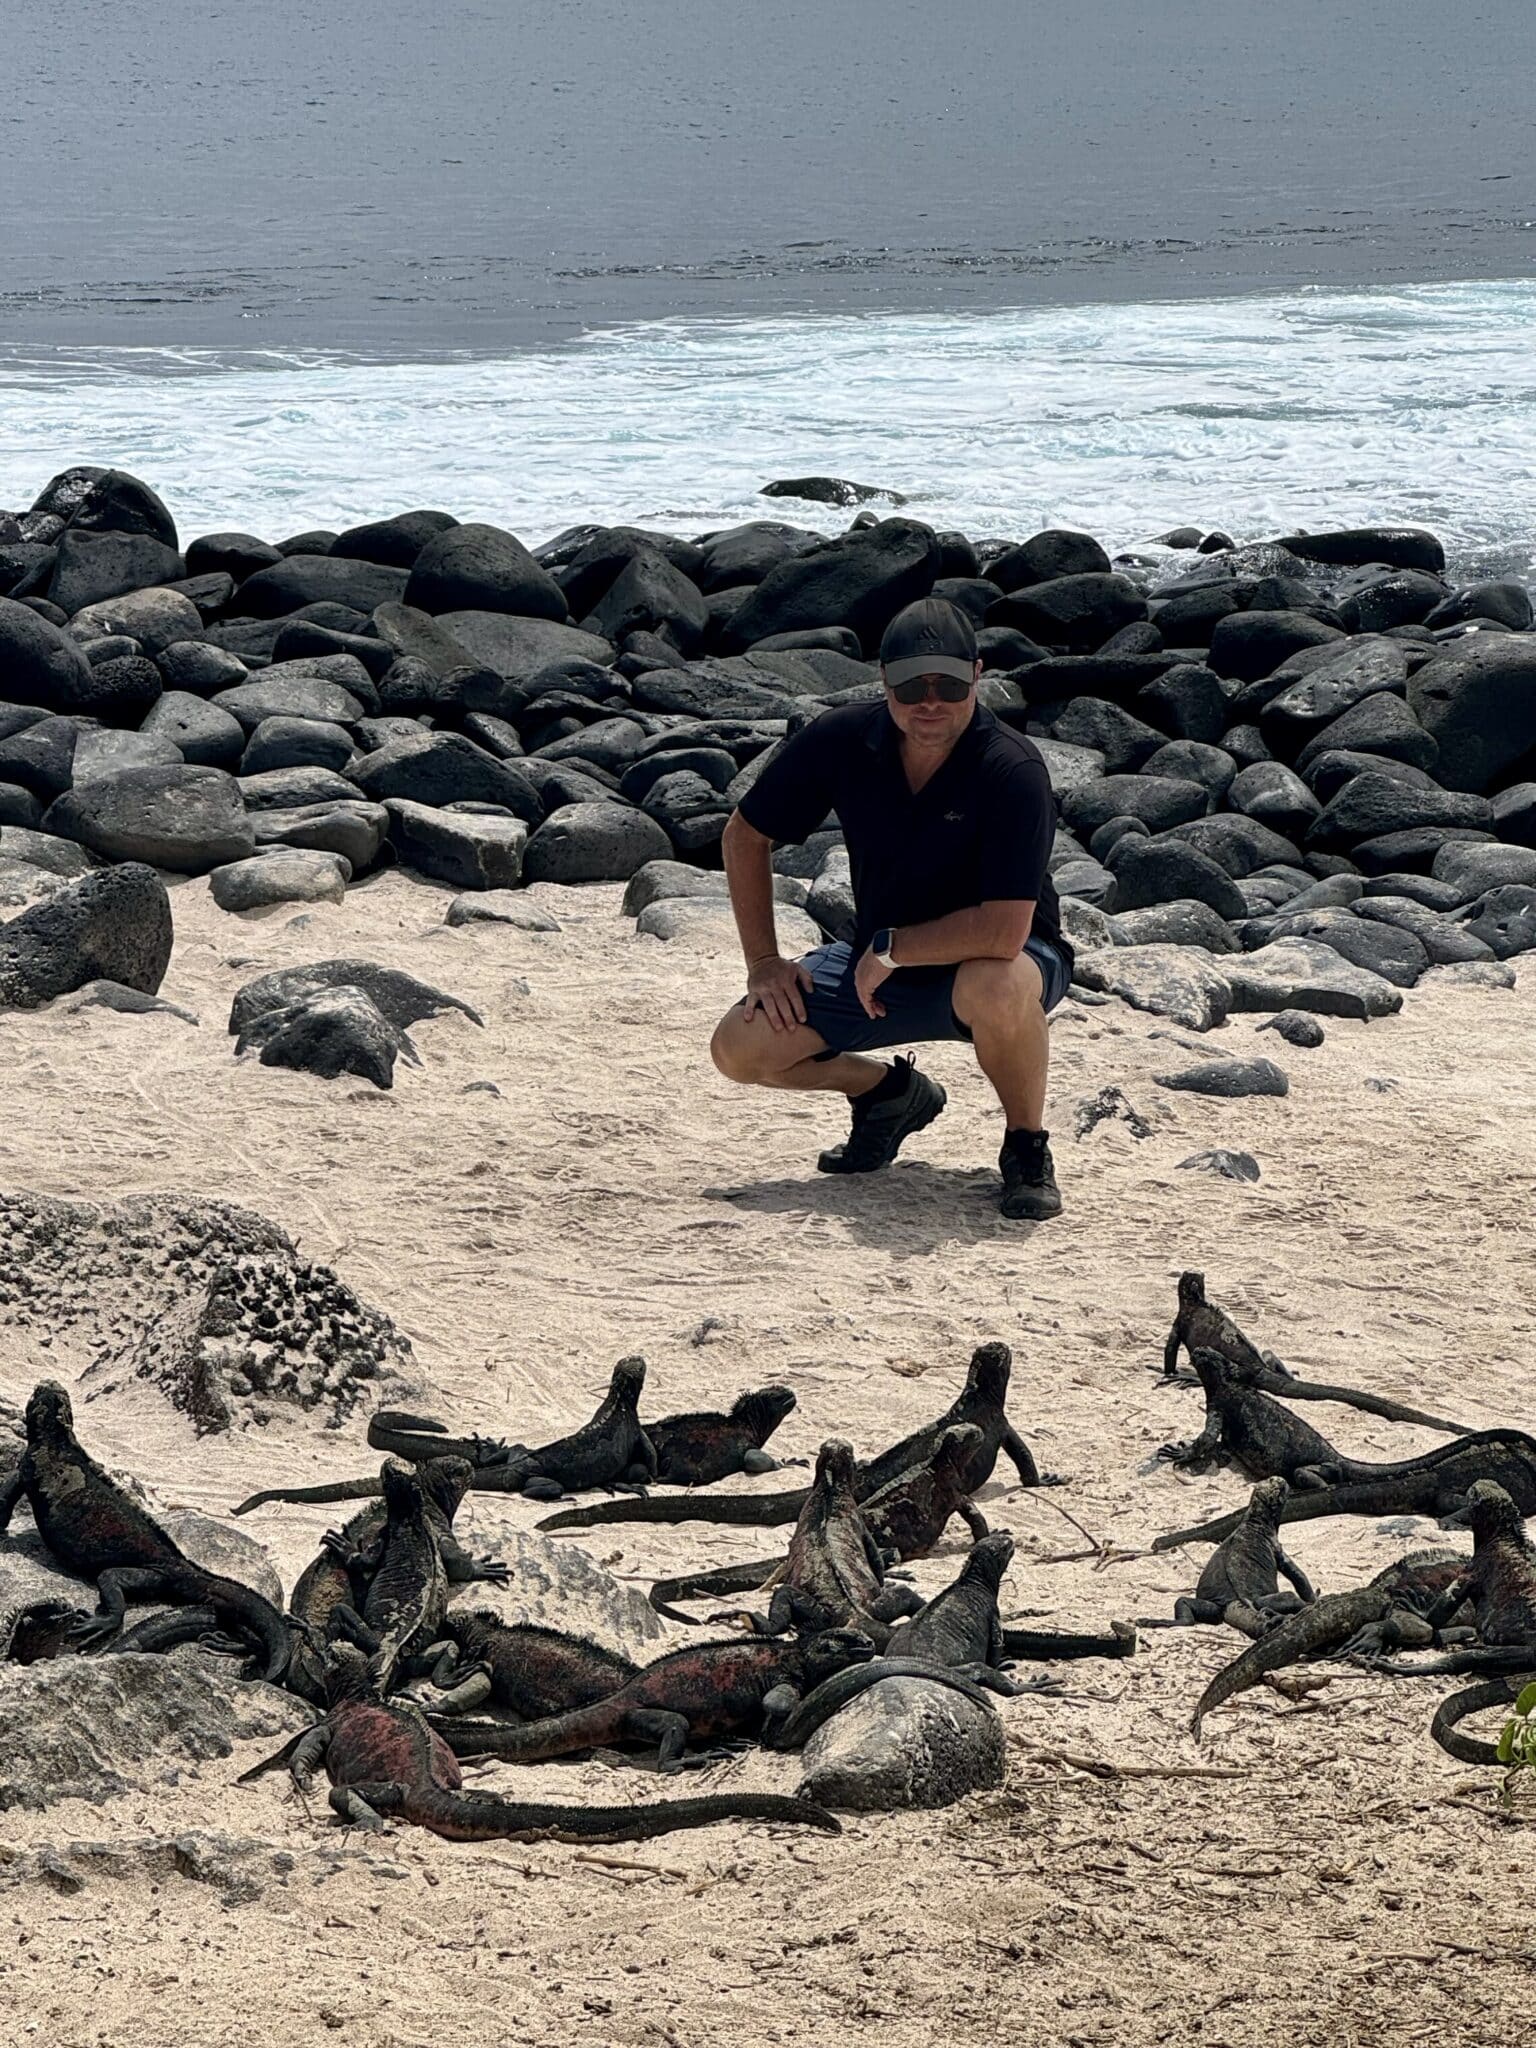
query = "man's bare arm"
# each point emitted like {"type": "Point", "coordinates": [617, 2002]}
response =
{"type": "Point", "coordinates": [775, 985]}
{"type": "Point", "coordinates": [986, 931]}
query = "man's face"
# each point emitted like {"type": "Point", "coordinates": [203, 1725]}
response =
{"type": "Point", "coordinates": [933, 723]}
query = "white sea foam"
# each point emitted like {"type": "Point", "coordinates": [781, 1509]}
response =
{"type": "Point", "coordinates": [1255, 414]}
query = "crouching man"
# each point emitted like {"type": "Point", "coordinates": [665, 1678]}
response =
{"type": "Point", "coordinates": [949, 821]}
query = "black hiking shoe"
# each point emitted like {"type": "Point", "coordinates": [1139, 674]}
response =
{"type": "Point", "coordinates": [1030, 1193]}
{"type": "Point", "coordinates": [880, 1127]}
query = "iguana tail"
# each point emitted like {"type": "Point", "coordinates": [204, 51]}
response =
{"type": "Point", "coordinates": [483, 1817]}
{"type": "Point", "coordinates": [1326, 1625]}
{"type": "Point", "coordinates": [729, 1578]}
{"type": "Point", "coordinates": [1472, 1699]}
{"type": "Point", "coordinates": [1038, 1645]}
{"type": "Point", "coordinates": [740, 1510]}
{"type": "Point", "coordinates": [246, 1608]}
{"type": "Point", "coordinates": [315, 1496]}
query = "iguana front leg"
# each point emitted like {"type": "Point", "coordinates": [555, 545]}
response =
{"type": "Point", "coordinates": [1201, 1450]}
{"type": "Point", "coordinates": [114, 1587]}
{"type": "Point", "coordinates": [308, 1755]}
{"type": "Point", "coordinates": [1289, 1569]}
{"type": "Point", "coordinates": [973, 1519]}
{"type": "Point", "coordinates": [667, 1730]}
{"type": "Point", "coordinates": [463, 1569]}
{"type": "Point", "coordinates": [1440, 1611]}
{"type": "Point", "coordinates": [1022, 1457]}
{"type": "Point", "coordinates": [354, 1809]}
{"type": "Point", "coordinates": [1171, 1348]}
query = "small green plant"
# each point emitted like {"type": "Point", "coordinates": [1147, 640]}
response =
{"type": "Point", "coordinates": [1517, 1743]}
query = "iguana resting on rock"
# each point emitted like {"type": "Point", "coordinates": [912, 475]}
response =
{"type": "Point", "coordinates": [96, 1531]}
{"type": "Point", "coordinates": [417, 1438]}
{"type": "Point", "coordinates": [607, 1451]}
{"type": "Point", "coordinates": [1201, 1326]}
{"type": "Point", "coordinates": [1390, 1609]}
{"type": "Point", "coordinates": [1240, 1582]}
{"type": "Point", "coordinates": [1436, 1484]}
{"type": "Point", "coordinates": [383, 1761]}
{"type": "Point", "coordinates": [793, 1729]}
{"type": "Point", "coordinates": [902, 1519]}
{"type": "Point", "coordinates": [526, 1671]}
{"type": "Point", "coordinates": [1498, 1584]}
{"type": "Point", "coordinates": [960, 1628]}
{"type": "Point", "coordinates": [703, 1693]}
{"type": "Point", "coordinates": [980, 1401]}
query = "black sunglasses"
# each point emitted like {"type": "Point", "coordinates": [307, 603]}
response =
{"type": "Point", "coordinates": [950, 689]}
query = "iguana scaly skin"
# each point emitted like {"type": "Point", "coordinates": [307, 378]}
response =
{"type": "Point", "coordinates": [835, 1568]}
{"type": "Point", "coordinates": [794, 1729]}
{"type": "Point", "coordinates": [1435, 1484]}
{"type": "Point", "coordinates": [1475, 1699]}
{"type": "Point", "coordinates": [383, 1760]}
{"type": "Point", "coordinates": [610, 1450]}
{"type": "Point", "coordinates": [700, 1694]}
{"type": "Point", "coordinates": [407, 1595]}
{"type": "Point", "coordinates": [700, 1450]}
{"type": "Point", "coordinates": [416, 1438]}
{"type": "Point", "coordinates": [1240, 1582]}
{"type": "Point", "coordinates": [524, 1670]}
{"type": "Point", "coordinates": [1201, 1326]}
{"type": "Point", "coordinates": [1392, 1607]}
{"type": "Point", "coordinates": [1499, 1586]}
{"type": "Point", "coordinates": [96, 1531]}
{"type": "Point", "coordinates": [980, 1402]}
{"type": "Point", "coordinates": [960, 1628]}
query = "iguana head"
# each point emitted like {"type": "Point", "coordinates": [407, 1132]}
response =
{"type": "Point", "coordinates": [1215, 1370]}
{"type": "Point", "coordinates": [763, 1408]}
{"type": "Point", "coordinates": [1488, 1512]}
{"type": "Point", "coordinates": [445, 1481]}
{"type": "Point", "coordinates": [1267, 1500]}
{"type": "Point", "coordinates": [346, 1673]}
{"type": "Point", "coordinates": [1191, 1290]}
{"type": "Point", "coordinates": [987, 1379]}
{"type": "Point", "coordinates": [402, 1487]}
{"type": "Point", "coordinates": [49, 1412]}
{"type": "Point", "coordinates": [957, 1446]}
{"type": "Point", "coordinates": [835, 1465]}
{"type": "Point", "coordinates": [988, 1561]}
{"type": "Point", "coordinates": [833, 1650]}
{"type": "Point", "coordinates": [628, 1382]}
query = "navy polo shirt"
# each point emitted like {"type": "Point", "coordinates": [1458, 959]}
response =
{"type": "Point", "coordinates": [979, 831]}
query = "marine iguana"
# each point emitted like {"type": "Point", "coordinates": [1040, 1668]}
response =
{"type": "Point", "coordinates": [527, 1671]}
{"type": "Point", "coordinates": [699, 1450]}
{"type": "Point", "coordinates": [1201, 1326]}
{"type": "Point", "coordinates": [1498, 1584]}
{"type": "Point", "coordinates": [1392, 1607]}
{"type": "Point", "coordinates": [960, 1627]}
{"type": "Point", "coordinates": [606, 1451]}
{"type": "Point", "coordinates": [698, 1694]}
{"type": "Point", "coordinates": [1240, 1582]}
{"type": "Point", "coordinates": [1475, 1699]}
{"type": "Point", "coordinates": [980, 1401]}
{"type": "Point", "coordinates": [1437, 1484]}
{"type": "Point", "coordinates": [407, 1595]}
{"type": "Point", "coordinates": [903, 1519]}
{"type": "Point", "coordinates": [416, 1438]}
{"type": "Point", "coordinates": [384, 1760]}
{"type": "Point", "coordinates": [794, 1728]}
{"type": "Point", "coordinates": [96, 1531]}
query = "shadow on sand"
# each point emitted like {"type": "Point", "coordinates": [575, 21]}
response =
{"type": "Point", "coordinates": [908, 1211]}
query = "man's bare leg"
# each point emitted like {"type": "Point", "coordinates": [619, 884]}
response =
{"type": "Point", "coordinates": [750, 1050]}
{"type": "Point", "coordinates": [1000, 1004]}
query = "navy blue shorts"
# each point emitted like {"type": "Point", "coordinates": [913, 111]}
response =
{"type": "Point", "coordinates": [918, 1005]}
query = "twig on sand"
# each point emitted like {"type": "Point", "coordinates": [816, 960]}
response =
{"type": "Point", "coordinates": [632, 1869]}
{"type": "Point", "coordinates": [1100, 1548]}
{"type": "Point", "coordinates": [1101, 1767]}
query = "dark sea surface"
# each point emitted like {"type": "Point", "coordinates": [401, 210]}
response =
{"type": "Point", "coordinates": [404, 179]}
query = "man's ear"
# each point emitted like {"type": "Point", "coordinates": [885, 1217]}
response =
{"type": "Point", "coordinates": [977, 677]}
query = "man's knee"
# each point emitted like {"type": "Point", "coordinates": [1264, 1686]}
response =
{"type": "Point", "coordinates": [737, 1048]}
{"type": "Point", "coordinates": [996, 992]}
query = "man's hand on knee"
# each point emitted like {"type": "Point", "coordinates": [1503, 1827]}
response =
{"type": "Point", "coordinates": [778, 988]}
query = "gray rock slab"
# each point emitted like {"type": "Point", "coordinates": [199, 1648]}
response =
{"type": "Point", "coordinates": [708, 920]}
{"type": "Point", "coordinates": [114, 924]}
{"type": "Point", "coordinates": [500, 906]}
{"type": "Point", "coordinates": [467, 849]}
{"type": "Point", "coordinates": [1179, 982]}
{"type": "Point", "coordinates": [283, 874]}
{"type": "Point", "coordinates": [904, 1743]}
{"type": "Point", "coordinates": [1304, 974]}
{"type": "Point", "coordinates": [1226, 1078]}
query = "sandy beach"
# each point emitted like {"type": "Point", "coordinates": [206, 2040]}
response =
{"type": "Point", "coordinates": [1317, 1872]}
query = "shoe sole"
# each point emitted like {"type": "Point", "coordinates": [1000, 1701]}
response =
{"type": "Point", "coordinates": [1042, 1208]}
{"type": "Point", "coordinates": [918, 1118]}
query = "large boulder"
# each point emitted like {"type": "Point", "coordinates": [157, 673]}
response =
{"type": "Point", "coordinates": [282, 875]}
{"type": "Point", "coordinates": [102, 751]}
{"type": "Point", "coordinates": [1122, 742]}
{"type": "Point", "coordinates": [475, 568]}
{"type": "Point", "coordinates": [1073, 614]}
{"type": "Point", "coordinates": [1046, 557]}
{"type": "Point", "coordinates": [1354, 670]}
{"type": "Point", "coordinates": [397, 542]}
{"type": "Point", "coordinates": [904, 1743]}
{"type": "Point", "coordinates": [356, 830]}
{"type": "Point", "coordinates": [1514, 814]}
{"type": "Point", "coordinates": [1185, 921]}
{"type": "Point", "coordinates": [1247, 646]}
{"type": "Point", "coordinates": [648, 595]}
{"type": "Point", "coordinates": [1471, 870]}
{"type": "Point", "coordinates": [185, 819]}
{"type": "Point", "coordinates": [284, 693]}
{"type": "Point", "coordinates": [331, 1032]}
{"type": "Point", "coordinates": [1477, 702]}
{"type": "Point", "coordinates": [593, 842]}
{"type": "Point", "coordinates": [1387, 949]}
{"type": "Point", "coordinates": [91, 567]}
{"type": "Point", "coordinates": [399, 996]}
{"type": "Point", "coordinates": [1380, 724]}
{"type": "Point", "coordinates": [112, 925]}
{"type": "Point", "coordinates": [1303, 974]}
{"type": "Point", "coordinates": [1156, 870]}
{"type": "Point", "coordinates": [39, 664]}
{"type": "Point", "coordinates": [514, 648]}
{"type": "Point", "coordinates": [440, 768]}
{"type": "Point", "coordinates": [708, 920]}
{"type": "Point", "coordinates": [1372, 805]}
{"type": "Point", "coordinates": [1181, 983]}
{"type": "Point", "coordinates": [1444, 941]}
{"type": "Point", "coordinates": [1158, 801]}
{"type": "Point", "coordinates": [1396, 547]}
{"type": "Point", "coordinates": [468, 849]}
{"type": "Point", "coordinates": [1276, 796]}
{"type": "Point", "coordinates": [157, 619]}
{"type": "Point", "coordinates": [1504, 919]}
{"type": "Point", "coordinates": [296, 743]}
{"type": "Point", "coordinates": [299, 580]}
{"type": "Point", "coordinates": [861, 581]}
{"type": "Point", "coordinates": [206, 735]}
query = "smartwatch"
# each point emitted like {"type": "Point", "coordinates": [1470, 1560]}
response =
{"type": "Point", "coordinates": [882, 945]}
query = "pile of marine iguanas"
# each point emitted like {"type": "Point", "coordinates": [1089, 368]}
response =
{"type": "Point", "coordinates": [406, 1681]}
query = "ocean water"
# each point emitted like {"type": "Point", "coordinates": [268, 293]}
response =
{"type": "Point", "coordinates": [1257, 413]}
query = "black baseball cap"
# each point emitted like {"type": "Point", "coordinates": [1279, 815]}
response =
{"type": "Point", "coordinates": [930, 638]}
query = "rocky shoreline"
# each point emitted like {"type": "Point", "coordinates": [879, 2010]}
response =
{"type": "Point", "coordinates": [1293, 774]}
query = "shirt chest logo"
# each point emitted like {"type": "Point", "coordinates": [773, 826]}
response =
{"type": "Point", "coordinates": [954, 817]}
